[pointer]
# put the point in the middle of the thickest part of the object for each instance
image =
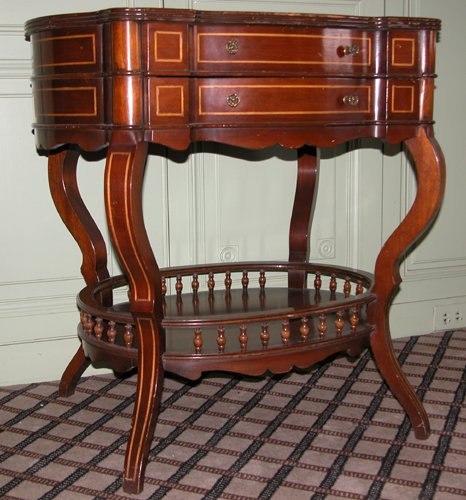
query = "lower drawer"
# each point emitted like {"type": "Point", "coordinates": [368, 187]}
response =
{"type": "Point", "coordinates": [230, 100]}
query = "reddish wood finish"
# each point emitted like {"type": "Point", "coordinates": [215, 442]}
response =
{"type": "Point", "coordinates": [121, 78]}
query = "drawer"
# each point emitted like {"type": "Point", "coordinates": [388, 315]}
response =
{"type": "Point", "coordinates": [168, 101]}
{"type": "Point", "coordinates": [274, 100]}
{"type": "Point", "coordinates": [278, 49]}
{"type": "Point", "coordinates": [74, 50]}
{"type": "Point", "coordinates": [410, 99]}
{"type": "Point", "coordinates": [411, 52]}
{"type": "Point", "coordinates": [77, 101]}
{"type": "Point", "coordinates": [166, 47]}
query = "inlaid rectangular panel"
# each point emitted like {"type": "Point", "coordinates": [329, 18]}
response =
{"type": "Point", "coordinates": [411, 52]}
{"type": "Point", "coordinates": [69, 100]}
{"type": "Point", "coordinates": [166, 47]}
{"type": "Point", "coordinates": [309, 51]}
{"type": "Point", "coordinates": [278, 100]}
{"type": "Point", "coordinates": [404, 98]}
{"type": "Point", "coordinates": [168, 100]}
{"type": "Point", "coordinates": [67, 51]}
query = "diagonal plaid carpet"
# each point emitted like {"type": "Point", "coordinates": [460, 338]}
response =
{"type": "Point", "coordinates": [333, 432]}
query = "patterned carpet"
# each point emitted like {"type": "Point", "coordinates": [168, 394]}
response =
{"type": "Point", "coordinates": [333, 432]}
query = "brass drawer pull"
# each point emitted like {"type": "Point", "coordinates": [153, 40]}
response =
{"type": "Point", "coordinates": [232, 46]}
{"type": "Point", "coordinates": [348, 50]}
{"type": "Point", "coordinates": [351, 100]}
{"type": "Point", "coordinates": [233, 100]}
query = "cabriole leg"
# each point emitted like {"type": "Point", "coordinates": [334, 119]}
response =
{"type": "Point", "coordinates": [123, 202]}
{"type": "Point", "coordinates": [303, 211]}
{"type": "Point", "coordinates": [69, 204]}
{"type": "Point", "coordinates": [429, 166]}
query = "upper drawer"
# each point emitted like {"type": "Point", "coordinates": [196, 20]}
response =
{"type": "Point", "coordinates": [411, 52]}
{"type": "Point", "coordinates": [166, 47]}
{"type": "Point", "coordinates": [248, 49]}
{"type": "Point", "coordinates": [74, 50]}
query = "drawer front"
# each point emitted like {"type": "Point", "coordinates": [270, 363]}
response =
{"type": "Point", "coordinates": [68, 101]}
{"type": "Point", "coordinates": [411, 52]}
{"type": "Point", "coordinates": [168, 101]}
{"type": "Point", "coordinates": [410, 99]}
{"type": "Point", "coordinates": [309, 51]}
{"type": "Point", "coordinates": [67, 51]}
{"type": "Point", "coordinates": [166, 47]}
{"type": "Point", "coordinates": [277, 100]}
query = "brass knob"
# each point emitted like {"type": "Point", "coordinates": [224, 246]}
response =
{"type": "Point", "coordinates": [348, 50]}
{"type": "Point", "coordinates": [232, 46]}
{"type": "Point", "coordinates": [233, 100]}
{"type": "Point", "coordinates": [351, 100]}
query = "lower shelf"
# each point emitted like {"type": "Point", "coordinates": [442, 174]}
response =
{"type": "Point", "coordinates": [236, 327]}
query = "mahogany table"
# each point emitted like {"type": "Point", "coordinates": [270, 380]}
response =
{"type": "Point", "coordinates": [123, 78]}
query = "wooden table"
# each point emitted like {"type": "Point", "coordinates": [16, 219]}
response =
{"type": "Point", "coordinates": [123, 78]}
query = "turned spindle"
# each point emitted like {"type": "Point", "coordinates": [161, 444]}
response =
{"type": "Point", "coordinates": [197, 340]}
{"type": "Point", "coordinates": [265, 335]}
{"type": "Point", "coordinates": [322, 326]}
{"type": "Point", "coordinates": [318, 281]}
{"type": "Point", "coordinates": [111, 332]}
{"type": "Point", "coordinates": [359, 288]}
{"type": "Point", "coordinates": [228, 281]}
{"type": "Point", "coordinates": [339, 322]}
{"type": "Point", "coordinates": [88, 323]}
{"type": "Point", "coordinates": [211, 283]}
{"type": "Point", "coordinates": [243, 337]}
{"type": "Point", "coordinates": [262, 280]}
{"type": "Point", "coordinates": [98, 328]}
{"type": "Point", "coordinates": [354, 318]}
{"type": "Point", "coordinates": [317, 287]}
{"type": "Point", "coordinates": [128, 335]}
{"type": "Point", "coordinates": [332, 286]}
{"type": "Point", "coordinates": [179, 285]}
{"type": "Point", "coordinates": [347, 287]}
{"type": "Point", "coordinates": [195, 284]}
{"type": "Point", "coordinates": [304, 329]}
{"type": "Point", "coordinates": [245, 281]}
{"type": "Point", "coordinates": [82, 317]}
{"type": "Point", "coordinates": [285, 332]}
{"type": "Point", "coordinates": [221, 339]}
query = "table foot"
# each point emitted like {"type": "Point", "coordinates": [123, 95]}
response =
{"type": "Point", "coordinates": [394, 377]}
{"type": "Point", "coordinates": [148, 397]}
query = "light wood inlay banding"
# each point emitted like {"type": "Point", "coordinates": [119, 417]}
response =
{"type": "Point", "coordinates": [173, 105]}
{"type": "Point", "coordinates": [315, 58]}
{"type": "Point", "coordinates": [402, 47]}
{"type": "Point", "coordinates": [158, 43]}
{"type": "Point", "coordinates": [399, 94]}
{"type": "Point", "coordinates": [67, 62]}
{"type": "Point", "coordinates": [310, 111]}
{"type": "Point", "coordinates": [70, 100]}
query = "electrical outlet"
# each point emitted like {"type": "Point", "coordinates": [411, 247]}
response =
{"type": "Point", "coordinates": [449, 316]}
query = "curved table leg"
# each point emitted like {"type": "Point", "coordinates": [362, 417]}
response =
{"type": "Point", "coordinates": [69, 204]}
{"type": "Point", "coordinates": [303, 210]}
{"type": "Point", "coordinates": [430, 170]}
{"type": "Point", "coordinates": [123, 192]}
